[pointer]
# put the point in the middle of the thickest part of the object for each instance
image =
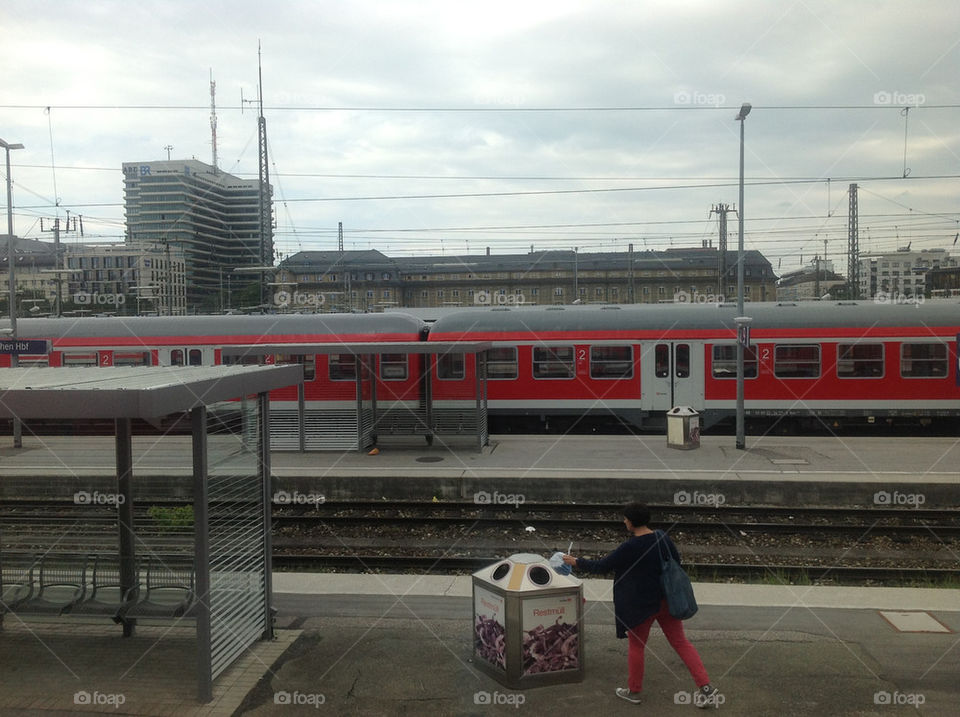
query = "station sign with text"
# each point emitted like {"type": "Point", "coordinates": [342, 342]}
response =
{"type": "Point", "coordinates": [24, 346]}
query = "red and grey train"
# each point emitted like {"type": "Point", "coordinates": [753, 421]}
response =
{"type": "Point", "coordinates": [819, 362]}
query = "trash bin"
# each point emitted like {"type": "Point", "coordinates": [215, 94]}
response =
{"type": "Point", "coordinates": [683, 428]}
{"type": "Point", "coordinates": [526, 623]}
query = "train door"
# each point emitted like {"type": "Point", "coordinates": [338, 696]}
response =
{"type": "Point", "coordinates": [186, 356]}
{"type": "Point", "coordinates": [672, 375]}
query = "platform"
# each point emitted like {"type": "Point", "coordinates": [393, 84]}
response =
{"type": "Point", "coordinates": [401, 645]}
{"type": "Point", "coordinates": [773, 470]}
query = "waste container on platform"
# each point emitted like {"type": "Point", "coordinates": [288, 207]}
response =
{"type": "Point", "coordinates": [526, 623]}
{"type": "Point", "coordinates": [683, 428]}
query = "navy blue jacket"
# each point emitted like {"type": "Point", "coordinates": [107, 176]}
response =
{"type": "Point", "coordinates": [636, 568]}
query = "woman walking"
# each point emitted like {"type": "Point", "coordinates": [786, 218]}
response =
{"type": "Point", "coordinates": [638, 600]}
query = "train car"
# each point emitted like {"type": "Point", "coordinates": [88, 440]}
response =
{"type": "Point", "coordinates": [329, 378]}
{"type": "Point", "coordinates": [816, 363]}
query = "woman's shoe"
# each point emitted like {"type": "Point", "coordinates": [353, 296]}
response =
{"type": "Point", "coordinates": [624, 693]}
{"type": "Point", "coordinates": [707, 696]}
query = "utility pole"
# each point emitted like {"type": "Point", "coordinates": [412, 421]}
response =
{"type": "Point", "coordinates": [213, 121]}
{"type": "Point", "coordinates": [343, 267]}
{"type": "Point", "coordinates": [266, 222]}
{"type": "Point", "coordinates": [853, 246]}
{"type": "Point", "coordinates": [58, 254]}
{"type": "Point", "coordinates": [169, 148]}
{"type": "Point", "coordinates": [721, 211]}
{"type": "Point", "coordinates": [169, 302]}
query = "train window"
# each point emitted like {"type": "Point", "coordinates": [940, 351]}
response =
{"type": "Point", "coordinates": [79, 359]}
{"type": "Point", "coordinates": [343, 367]}
{"type": "Point", "coordinates": [923, 360]}
{"type": "Point", "coordinates": [195, 357]}
{"type": "Point", "coordinates": [661, 357]}
{"type": "Point", "coordinates": [502, 362]}
{"type": "Point", "coordinates": [725, 361]}
{"type": "Point", "coordinates": [798, 361]}
{"type": "Point", "coordinates": [450, 367]}
{"type": "Point", "coordinates": [131, 358]}
{"type": "Point", "coordinates": [611, 362]}
{"type": "Point", "coordinates": [553, 362]}
{"type": "Point", "coordinates": [241, 360]}
{"type": "Point", "coordinates": [309, 363]}
{"type": "Point", "coordinates": [393, 367]}
{"type": "Point", "coordinates": [34, 360]}
{"type": "Point", "coordinates": [860, 360]}
{"type": "Point", "coordinates": [176, 357]}
{"type": "Point", "coordinates": [682, 360]}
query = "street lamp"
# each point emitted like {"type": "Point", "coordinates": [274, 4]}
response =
{"type": "Point", "coordinates": [17, 431]}
{"type": "Point", "coordinates": [741, 437]}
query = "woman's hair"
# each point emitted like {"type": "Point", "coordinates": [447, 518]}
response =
{"type": "Point", "coordinates": [636, 513]}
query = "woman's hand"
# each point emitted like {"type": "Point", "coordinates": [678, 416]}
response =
{"type": "Point", "coordinates": [570, 560]}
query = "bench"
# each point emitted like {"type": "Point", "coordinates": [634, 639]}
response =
{"type": "Point", "coordinates": [16, 581]}
{"type": "Point", "coordinates": [104, 595]}
{"type": "Point", "coordinates": [58, 583]}
{"type": "Point", "coordinates": [166, 589]}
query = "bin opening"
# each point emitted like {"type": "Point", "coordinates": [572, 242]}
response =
{"type": "Point", "coordinates": [500, 572]}
{"type": "Point", "coordinates": [539, 575]}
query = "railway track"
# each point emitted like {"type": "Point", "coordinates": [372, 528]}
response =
{"type": "Point", "coordinates": [847, 522]}
{"type": "Point", "coordinates": [879, 546]}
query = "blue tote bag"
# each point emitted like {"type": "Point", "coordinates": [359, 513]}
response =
{"type": "Point", "coordinates": [675, 584]}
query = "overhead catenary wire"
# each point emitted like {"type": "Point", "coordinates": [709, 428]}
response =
{"type": "Point", "coordinates": [498, 109]}
{"type": "Point", "coordinates": [542, 192]}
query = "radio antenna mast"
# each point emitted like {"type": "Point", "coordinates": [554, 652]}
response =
{"type": "Point", "coordinates": [213, 119]}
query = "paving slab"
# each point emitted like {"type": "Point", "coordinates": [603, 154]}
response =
{"type": "Point", "coordinates": [882, 472]}
{"type": "Point", "coordinates": [66, 666]}
{"type": "Point", "coordinates": [416, 666]}
{"type": "Point", "coordinates": [733, 594]}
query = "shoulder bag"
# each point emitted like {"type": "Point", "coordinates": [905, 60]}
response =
{"type": "Point", "coordinates": [675, 584]}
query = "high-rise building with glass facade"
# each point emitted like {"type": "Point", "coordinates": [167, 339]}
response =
{"type": "Point", "coordinates": [212, 216]}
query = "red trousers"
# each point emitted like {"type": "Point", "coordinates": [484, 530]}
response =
{"type": "Point", "coordinates": [673, 630]}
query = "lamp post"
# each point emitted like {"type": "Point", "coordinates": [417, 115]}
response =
{"type": "Point", "coordinates": [11, 258]}
{"type": "Point", "coordinates": [741, 437]}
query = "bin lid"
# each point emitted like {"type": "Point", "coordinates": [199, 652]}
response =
{"type": "Point", "coordinates": [682, 411]}
{"type": "Point", "coordinates": [524, 572]}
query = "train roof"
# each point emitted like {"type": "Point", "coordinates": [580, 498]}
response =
{"type": "Point", "coordinates": [228, 325]}
{"type": "Point", "coordinates": [653, 317]}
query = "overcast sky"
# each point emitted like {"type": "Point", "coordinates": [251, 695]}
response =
{"type": "Point", "coordinates": [545, 105]}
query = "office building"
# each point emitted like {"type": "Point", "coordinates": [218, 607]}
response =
{"type": "Point", "coordinates": [211, 216]}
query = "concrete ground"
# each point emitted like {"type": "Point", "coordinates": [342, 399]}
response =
{"type": "Point", "coordinates": [773, 470]}
{"type": "Point", "coordinates": [402, 645]}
